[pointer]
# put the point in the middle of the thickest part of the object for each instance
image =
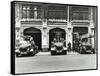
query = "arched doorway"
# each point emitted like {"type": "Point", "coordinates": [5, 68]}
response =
{"type": "Point", "coordinates": [35, 33]}
{"type": "Point", "coordinates": [56, 33]}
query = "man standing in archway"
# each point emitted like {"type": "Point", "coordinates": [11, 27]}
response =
{"type": "Point", "coordinates": [69, 47]}
{"type": "Point", "coordinates": [34, 47]}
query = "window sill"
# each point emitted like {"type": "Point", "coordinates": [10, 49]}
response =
{"type": "Point", "coordinates": [31, 19]}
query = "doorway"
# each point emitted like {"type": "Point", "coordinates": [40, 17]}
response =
{"type": "Point", "coordinates": [56, 33]}
{"type": "Point", "coordinates": [35, 33]}
{"type": "Point", "coordinates": [77, 32]}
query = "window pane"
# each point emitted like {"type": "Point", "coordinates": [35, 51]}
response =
{"type": "Point", "coordinates": [80, 13]}
{"type": "Point", "coordinates": [75, 16]}
{"type": "Point", "coordinates": [31, 12]}
{"type": "Point", "coordinates": [38, 14]}
{"type": "Point", "coordinates": [24, 12]}
{"type": "Point", "coordinates": [56, 12]}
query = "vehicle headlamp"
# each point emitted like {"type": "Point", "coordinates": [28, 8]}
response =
{"type": "Point", "coordinates": [64, 48]}
{"type": "Point", "coordinates": [52, 48]}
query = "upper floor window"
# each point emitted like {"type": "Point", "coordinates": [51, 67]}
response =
{"type": "Point", "coordinates": [31, 12]}
{"type": "Point", "coordinates": [57, 12]}
{"type": "Point", "coordinates": [80, 13]}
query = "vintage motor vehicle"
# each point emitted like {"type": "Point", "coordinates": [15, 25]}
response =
{"type": "Point", "coordinates": [58, 48]}
{"type": "Point", "coordinates": [87, 47]}
{"type": "Point", "coordinates": [26, 49]}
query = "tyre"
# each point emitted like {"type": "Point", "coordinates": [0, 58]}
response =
{"type": "Point", "coordinates": [33, 53]}
{"type": "Point", "coordinates": [30, 54]}
{"type": "Point", "coordinates": [93, 51]}
{"type": "Point", "coordinates": [17, 54]}
{"type": "Point", "coordinates": [82, 51]}
{"type": "Point", "coordinates": [53, 53]}
{"type": "Point", "coordinates": [64, 52]}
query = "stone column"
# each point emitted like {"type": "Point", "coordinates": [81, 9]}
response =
{"type": "Point", "coordinates": [66, 38]}
{"type": "Point", "coordinates": [92, 33]}
{"type": "Point", "coordinates": [45, 45]}
{"type": "Point", "coordinates": [21, 32]}
{"type": "Point", "coordinates": [69, 28]}
{"type": "Point", "coordinates": [47, 38]}
{"type": "Point", "coordinates": [91, 27]}
{"type": "Point", "coordinates": [91, 19]}
{"type": "Point", "coordinates": [44, 39]}
{"type": "Point", "coordinates": [17, 22]}
{"type": "Point", "coordinates": [70, 35]}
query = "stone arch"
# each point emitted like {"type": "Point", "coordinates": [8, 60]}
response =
{"type": "Point", "coordinates": [39, 28]}
{"type": "Point", "coordinates": [35, 33]}
{"type": "Point", "coordinates": [63, 28]}
{"type": "Point", "coordinates": [54, 32]}
{"type": "Point", "coordinates": [77, 32]}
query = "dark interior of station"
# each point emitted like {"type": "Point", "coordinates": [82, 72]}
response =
{"type": "Point", "coordinates": [56, 33]}
{"type": "Point", "coordinates": [35, 33]}
{"type": "Point", "coordinates": [77, 32]}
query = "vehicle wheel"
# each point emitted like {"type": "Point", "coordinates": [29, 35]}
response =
{"type": "Point", "coordinates": [30, 54]}
{"type": "Point", "coordinates": [82, 51]}
{"type": "Point", "coordinates": [53, 53]}
{"type": "Point", "coordinates": [93, 51]}
{"type": "Point", "coordinates": [64, 52]}
{"type": "Point", "coordinates": [33, 53]}
{"type": "Point", "coordinates": [17, 54]}
{"type": "Point", "coordinates": [36, 51]}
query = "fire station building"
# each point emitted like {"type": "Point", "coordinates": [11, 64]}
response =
{"type": "Point", "coordinates": [43, 20]}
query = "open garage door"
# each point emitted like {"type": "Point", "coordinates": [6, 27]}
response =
{"type": "Point", "coordinates": [77, 32]}
{"type": "Point", "coordinates": [56, 33]}
{"type": "Point", "coordinates": [36, 34]}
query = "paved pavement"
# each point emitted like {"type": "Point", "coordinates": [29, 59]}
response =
{"type": "Point", "coordinates": [44, 62]}
{"type": "Point", "coordinates": [48, 53]}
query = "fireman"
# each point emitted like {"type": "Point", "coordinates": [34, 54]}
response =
{"type": "Point", "coordinates": [33, 44]}
{"type": "Point", "coordinates": [69, 47]}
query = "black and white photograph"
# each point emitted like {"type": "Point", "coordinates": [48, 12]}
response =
{"type": "Point", "coordinates": [53, 37]}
